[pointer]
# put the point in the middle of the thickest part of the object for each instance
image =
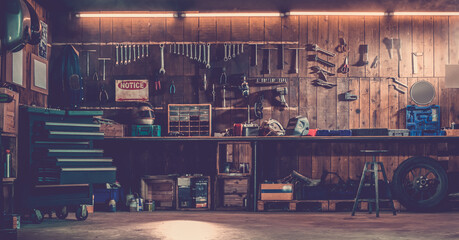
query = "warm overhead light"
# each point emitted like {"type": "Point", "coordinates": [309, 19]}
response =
{"type": "Point", "coordinates": [426, 13]}
{"type": "Point", "coordinates": [235, 14]}
{"type": "Point", "coordinates": [336, 13]}
{"type": "Point", "coordinates": [124, 15]}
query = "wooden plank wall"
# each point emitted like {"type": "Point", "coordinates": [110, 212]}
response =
{"type": "Point", "coordinates": [379, 104]}
{"type": "Point", "coordinates": [27, 96]}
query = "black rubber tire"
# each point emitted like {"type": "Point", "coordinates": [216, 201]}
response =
{"type": "Point", "coordinates": [406, 190]}
{"type": "Point", "coordinates": [62, 213]}
{"type": "Point", "coordinates": [37, 216]}
{"type": "Point", "coordinates": [81, 213]}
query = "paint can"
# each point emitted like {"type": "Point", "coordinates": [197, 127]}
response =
{"type": "Point", "coordinates": [112, 206]}
{"type": "Point", "coordinates": [149, 206]}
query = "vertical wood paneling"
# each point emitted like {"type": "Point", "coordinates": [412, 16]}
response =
{"type": "Point", "coordinates": [224, 29]}
{"type": "Point", "coordinates": [305, 159]}
{"type": "Point", "coordinates": [141, 28]}
{"type": "Point", "coordinates": [354, 106]}
{"type": "Point", "coordinates": [240, 28]}
{"type": "Point", "coordinates": [289, 33]}
{"type": "Point", "coordinates": [384, 103]}
{"type": "Point", "coordinates": [402, 102]}
{"type": "Point", "coordinates": [372, 39]}
{"type": "Point", "coordinates": [190, 33]}
{"type": "Point", "coordinates": [389, 29]}
{"type": "Point", "coordinates": [90, 29]}
{"type": "Point", "coordinates": [428, 47]}
{"type": "Point", "coordinates": [453, 40]}
{"type": "Point", "coordinates": [313, 38]}
{"type": "Point", "coordinates": [364, 102]}
{"type": "Point", "coordinates": [405, 35]}
{"type": "Point", "coordinates": [326, 119]}
{"type": "Point", "coordinates": [375, 102]}
{"type": "Point", "coordinates": [122, 31]}
{"type": "Point", "coordinates": [207, 29]}
{"type": "Point", "coordinates": [256, 33]}
{"type": "Point", "coordinates": [356, 38]}
{"type": "Point", "coordinates": [308, 101]}
{"type": "Point", "coordinates": [333, 41]}
{"type": "Point", "coordinates": [418, 45]}
{"type": "Point", "coordinates": [342, 110]}
{"type": "Point", "coordinates": [303, 40]}
{"type": "Point", "coordinates": [340, 161]}
{"type": "Point", "coordinates": [343, 32]}
{"type": "Point", "coordinates": [440, 45]}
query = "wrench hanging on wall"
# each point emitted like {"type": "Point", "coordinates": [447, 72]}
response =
{"type": "Point", "coordinates": [162, 70]}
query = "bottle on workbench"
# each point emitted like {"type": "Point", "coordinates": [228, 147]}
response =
{"type": "Point", "coordinates": [7, 163]}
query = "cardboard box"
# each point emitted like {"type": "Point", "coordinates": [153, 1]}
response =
{"type": "Point", "coordinates": [9, 112]}
{"type": "Point", "coordinates": [276, 191]}
{"type": "Point", "coordinates": [452, 132]}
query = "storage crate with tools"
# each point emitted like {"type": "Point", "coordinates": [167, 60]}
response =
{"type": "Point", "coordinates": [193, 193]}
{"type": "Point", "coordinates": [234, 159]}
{"type": "Point", "coordinates": [231, 193]}
{"type": "Point", "coordinates": [423, 121]}
{"type": "Point", "coordinates": [160, 189]}
{"type": "Point", "coordinates": [190, 119]}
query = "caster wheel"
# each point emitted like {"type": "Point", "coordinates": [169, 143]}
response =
{"type": "Point", "coordinates": [62, 213]}
{"type": "Point", "coordinates": [81, 213]}
{"type": "Point", "coordinates": [37, 216]}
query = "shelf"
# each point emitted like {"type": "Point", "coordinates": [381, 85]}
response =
{"type": "Point", "coordinates": [9, 180]}
{"type": "Point", "coordinates": [8, 134]}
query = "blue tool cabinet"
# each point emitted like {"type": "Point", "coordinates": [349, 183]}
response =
{"type": "Point", "coordinates": [59, 161]}
{"type": "Point", "coordinates": [423, 121]}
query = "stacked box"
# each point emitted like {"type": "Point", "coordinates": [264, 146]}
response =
{"type": "Point", "coordinates": [277, 191]}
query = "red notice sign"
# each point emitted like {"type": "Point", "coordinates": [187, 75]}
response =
{"type": "Point", "coordinates": [131, 90]}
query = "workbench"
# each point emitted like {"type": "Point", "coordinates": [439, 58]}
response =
{"type": "Point", "coordinates": [256, 140]}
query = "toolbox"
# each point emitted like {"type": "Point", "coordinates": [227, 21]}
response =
{"type": "Point", "coordinates": [276, 191]}
{"type": "Point", "coordinates": [146, 130]}
{"type": "Point", "coordinates": [423, 121]}
{"type": "Point", "coordinates": [321, 132]}
{"type": "Point", "coordinates": [399, 132]}
{"type": "Point", "coordinates": [370, 132]}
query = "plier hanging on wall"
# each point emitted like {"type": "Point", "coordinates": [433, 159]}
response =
{"type": "Point", "coordinates": [157, 83]}
{"type": "Point", "coordinates": [172, 88]}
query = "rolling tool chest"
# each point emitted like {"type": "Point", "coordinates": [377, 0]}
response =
{"type": "Point", "coordinates": [60, 162]}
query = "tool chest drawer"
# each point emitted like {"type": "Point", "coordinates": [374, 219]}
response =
{"type": "Point", "coordinates": [74, 152]}
{"type": "Point", "coordinates": [63, 126]}
{"type": "Point", "coordinates": [79, 162]}
{"type": "Point", "coordinates": [62, 144]}
{"type": "Point", "coordinates": [71, 175]}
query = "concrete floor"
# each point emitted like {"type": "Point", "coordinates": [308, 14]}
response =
{"type": "Point", "coordinates": [172, 225]}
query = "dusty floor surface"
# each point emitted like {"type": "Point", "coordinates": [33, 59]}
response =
{"type": "Point", "coordinates": [172, 225]}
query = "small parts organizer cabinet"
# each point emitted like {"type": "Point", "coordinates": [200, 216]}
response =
{"type": "Point", "coordinates": [190, 119]}
{"type": "Point", "coordinates": [60, 163]}
{"type": "Point", "coordinates": [193, 193]}
{"type": "Point", "coordinates": [234, 169]}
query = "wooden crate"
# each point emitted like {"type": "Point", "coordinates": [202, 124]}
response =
{"type": "Point", "coordinates": [231, 193]}
{"type": "Point", "coordinates": [9, 113]}
{"type": "Point", "coordinates": [190, 119]}
{"type": "Point", "coordinates": [112, 130]}
{"type": "Point", "coordinates": [234, 158]}
{"type": "Point", "coordinates": [160, 189]}
{"type": "Point", "coordinates": [208, 193]}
